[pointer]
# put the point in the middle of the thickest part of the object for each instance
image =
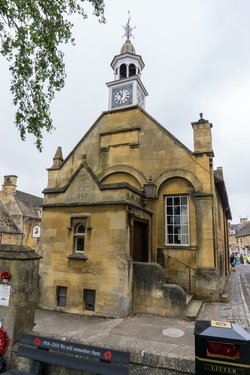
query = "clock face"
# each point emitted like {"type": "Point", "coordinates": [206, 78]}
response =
{"type": "Point", "coordinates": [122, 96]}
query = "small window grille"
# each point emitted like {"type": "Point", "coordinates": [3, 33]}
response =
{"type": "Point", "coordinates": [89, 299]}
{"type": "Point", "coordinates": [61, 296]}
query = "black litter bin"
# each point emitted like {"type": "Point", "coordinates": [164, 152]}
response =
{"type": "Point", "coordinates": [221, 348]}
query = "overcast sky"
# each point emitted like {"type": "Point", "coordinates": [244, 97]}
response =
{"type": "Point", "coordinates": [197, 59]}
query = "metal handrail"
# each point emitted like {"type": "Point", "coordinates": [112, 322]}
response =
{"type": "Point", "coordinates": [189, 269]}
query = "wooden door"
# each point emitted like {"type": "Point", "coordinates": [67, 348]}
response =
{"type": "Point", "coordinates": [140, 249]}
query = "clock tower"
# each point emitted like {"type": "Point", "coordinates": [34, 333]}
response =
{"type": "Point", "coordinates": [127, 88]}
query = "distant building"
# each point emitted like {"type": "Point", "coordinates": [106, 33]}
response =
{"type": "Point", "coordinates": [20, 215]}
{"type": "Point", "coordinates": [242, 238]}
{"type": "Point", "coordinates": [235, 242]}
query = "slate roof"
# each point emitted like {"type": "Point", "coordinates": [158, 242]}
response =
{"type": "Point", "coordinates": [7, 224]}
{"type": "Point", "coordinates": [29, 204]}
{"type": "Point", "coordinates": [221, 188]}
{"type": "Point", "coordinates": [234, 228]}
{"type": "Point", "coordinates": [244, 231]}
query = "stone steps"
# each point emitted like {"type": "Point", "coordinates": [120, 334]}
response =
{"type": "Point", "coordinates": [193, 307]}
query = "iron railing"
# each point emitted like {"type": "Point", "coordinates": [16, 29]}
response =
{"type": "Point", "coordinates": [189, 272]}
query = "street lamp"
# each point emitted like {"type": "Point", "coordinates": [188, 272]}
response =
{"type": "Point", "coordinates": [150, 189]}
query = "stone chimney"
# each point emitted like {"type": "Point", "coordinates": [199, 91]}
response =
{"type": "Point", "coordinates": [202, 136]}
{"type": "Point", "coordinates": [9, 185]}
{"type": "Point", "coordinates": [243, 220]}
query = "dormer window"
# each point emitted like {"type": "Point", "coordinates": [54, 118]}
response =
{"type": "Point", "coordinates": [79, 237]}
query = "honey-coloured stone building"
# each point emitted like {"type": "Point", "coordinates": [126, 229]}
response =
{"type": "Point", "coordinates": [132, 219]}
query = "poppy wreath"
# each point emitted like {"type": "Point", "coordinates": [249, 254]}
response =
{"type": "Point", "coordinates": [5, 275]}
{"type": "Point", "coordinates": [4, 341]}
{"type": "Point", "coordinates": [108, 355]}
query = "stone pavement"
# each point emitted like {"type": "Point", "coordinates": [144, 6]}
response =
{"type": "Point", "coordinates": [158, 346]}
{"type": "Point", "coordinates": [236, 310]}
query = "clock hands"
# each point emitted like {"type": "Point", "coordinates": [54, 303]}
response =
{"type": "Point", "coordinates": [121, 96]}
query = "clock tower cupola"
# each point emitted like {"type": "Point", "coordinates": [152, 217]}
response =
{"type": "Point", "coordinates": [127, 88]}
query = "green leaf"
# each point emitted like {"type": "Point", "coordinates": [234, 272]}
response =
{"type": "Point", "coordinates": [31, 32]}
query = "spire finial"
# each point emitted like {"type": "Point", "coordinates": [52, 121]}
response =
{"type": "Point", "coordinates": [201, 117]}
{"type": "Point", "coordinates": [127, 28]}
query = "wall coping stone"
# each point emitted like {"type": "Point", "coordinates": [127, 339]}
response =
{"type": "Point", "coordinates": [18, 252]}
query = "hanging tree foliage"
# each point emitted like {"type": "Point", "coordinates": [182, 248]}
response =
{"type": "Point", "coordinates": [30, 34]}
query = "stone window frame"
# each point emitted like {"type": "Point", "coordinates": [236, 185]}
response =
{"type": "Point", "coordinates": [78, 236]}
{"type": "Point", "coordinates": [77, 219]}
{"type": "Point", "coordinates": [183, 235]}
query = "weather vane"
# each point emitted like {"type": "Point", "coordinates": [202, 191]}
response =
{"type": "Point", "coordinates": [128, 29]}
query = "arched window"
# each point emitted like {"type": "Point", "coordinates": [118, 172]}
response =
{"type": "Point", "coordinates": [79, 237]}
{"type": "Point", "coordinates": [123, 71]}
{"type": "Point", "coordinates": [132, 70]}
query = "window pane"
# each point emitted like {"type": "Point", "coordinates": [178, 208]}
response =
{"type": "Point", "coordinates": [169, 201]}
{"type": "Point", "coordinates": [177, 220]}
{"type": "Point", "coordinates": [176, 201]}
{"type": "Point", "coordinates": [177, 229]}
{"type": "Point", "coordinates": [184, 219]}
{"type": "Point", "coordinates": [80, 229]}
{"type": "Point", "coordinates": [184, 210]}
{"type": "Point", "coordinates": [185, 239]}
{"type": "Point", "coordinates": [176, 240]}
{"type": "Point", "coordinates": [169, 210]}
{"type": "Point", "coordinates": [177, 211]}
{"type": "Point", "coordinates": [184, 229]}
{"type": "Point", "coordinates": [79, 244]}
{"type": "Point", "coordinates": [61, 296]}
{"type": "Point", "coordinates": [170, 239]}
{"type": "Point", "coordinates": [170, 229]}
{"type": "Point", "coordinates": [184, 201]}
{"type": "Point", "coordinates": [170, 219]}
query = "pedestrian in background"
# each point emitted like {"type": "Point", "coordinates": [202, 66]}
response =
{"type": "Point", "coordinates": [232, 259]}
{"type": "Point", "coordinates": [241, 259]}
{"type": "Point", "coordinates": [235, 260]}
{"type": "Point", "coordinates": [245, 260]}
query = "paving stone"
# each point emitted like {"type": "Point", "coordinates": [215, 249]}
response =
{"type": "Point", "coordinates": [236, 310]}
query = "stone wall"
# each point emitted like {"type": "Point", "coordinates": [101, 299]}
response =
{"type": "Point", "coordinates": [22, 263]}
{"type": "Point", "coordinates": [152, 296]}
